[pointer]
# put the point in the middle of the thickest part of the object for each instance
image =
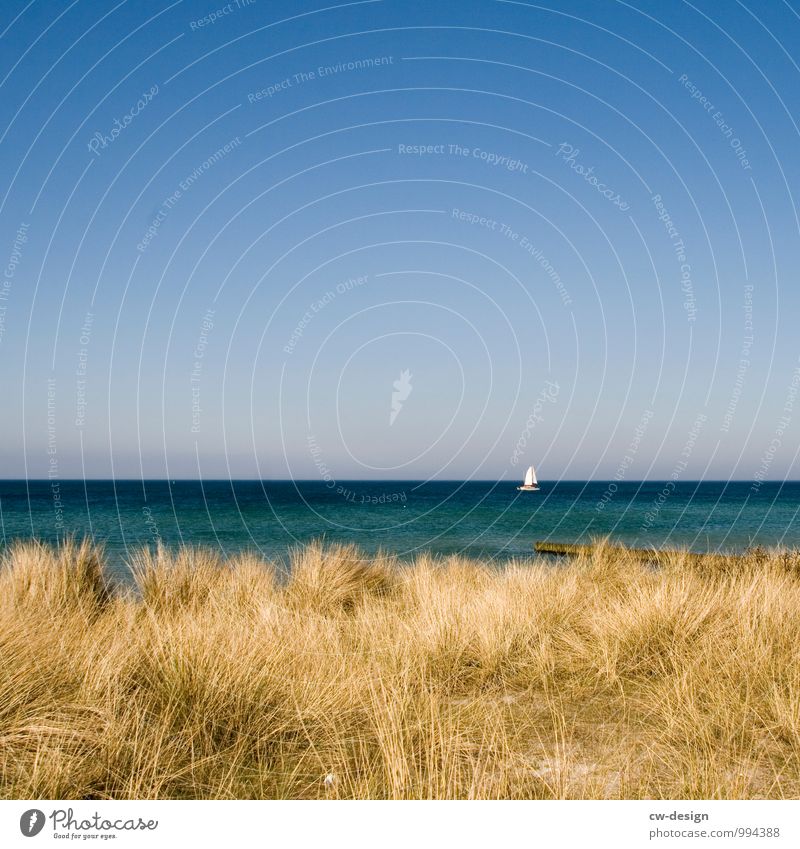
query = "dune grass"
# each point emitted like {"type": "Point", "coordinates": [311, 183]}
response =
{"type": "Point", "coordinates": [363, 678]}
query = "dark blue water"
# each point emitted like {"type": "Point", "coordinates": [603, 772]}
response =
{"type": "Point", "coordinates": [479, 519]}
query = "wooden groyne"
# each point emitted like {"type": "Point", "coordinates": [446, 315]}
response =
{"type": "Point", "coordinates": [645, 555]}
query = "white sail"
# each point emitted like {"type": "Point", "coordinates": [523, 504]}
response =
{"type": "Point", "coordinates": [530, 477]}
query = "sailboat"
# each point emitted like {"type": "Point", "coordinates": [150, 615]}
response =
{"type": "Point", "coordinates": [530, 484]}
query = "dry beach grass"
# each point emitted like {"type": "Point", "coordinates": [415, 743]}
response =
{"type": "Point", "coordinates": [597, 678]}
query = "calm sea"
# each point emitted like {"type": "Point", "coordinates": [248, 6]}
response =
{"type": "Point", "coordinates": [479, 519]}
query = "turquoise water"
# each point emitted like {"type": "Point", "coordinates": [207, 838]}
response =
{"type": "Point", "coordinates": [480, 519]}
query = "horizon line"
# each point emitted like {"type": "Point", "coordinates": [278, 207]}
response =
{"type": "Point", "coordinates": [390, 480]}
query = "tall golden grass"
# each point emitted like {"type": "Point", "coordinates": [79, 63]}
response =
{"type": "Point", "coordinates": [353, 678]}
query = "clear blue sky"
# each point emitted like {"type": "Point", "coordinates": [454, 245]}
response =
{"type": "Point", "coordinates": [573, 224]}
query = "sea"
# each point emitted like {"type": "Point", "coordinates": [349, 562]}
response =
{"type": "Point", "coordinates": [490, 520]}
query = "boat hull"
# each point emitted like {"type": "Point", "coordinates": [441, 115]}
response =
{"type": "Point", "coordinates": [527, 489]}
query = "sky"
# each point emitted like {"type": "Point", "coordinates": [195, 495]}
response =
{"type": "Point", "coordinates": [399, 240]}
